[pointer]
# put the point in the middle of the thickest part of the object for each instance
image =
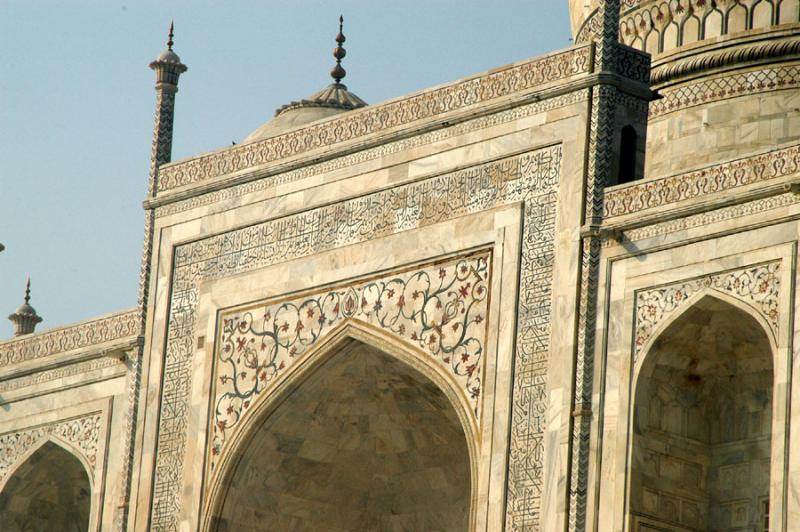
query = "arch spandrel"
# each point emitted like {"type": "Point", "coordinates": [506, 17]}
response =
{"type": "Point", "coordinates": [754, 289]}
{"type": "Point", "coordinates": [432, 316]}
{"type": "Point", "coordinates": [78, 436]}
{"type": "Point", "coordinates": [351, 336]}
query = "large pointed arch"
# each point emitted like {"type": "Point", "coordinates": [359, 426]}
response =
{"type": "Point", "coordinates": [49, 488]}
{"type": "Point", "coordinates": [347, 336]}
{"type": "Point", "coordinates": [702, 418]}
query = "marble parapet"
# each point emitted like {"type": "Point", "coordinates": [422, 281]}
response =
{"type": "Point", "coordinates": [95, 336]}
{"type": "Point", "coordinates": [736, 181]}
{"type": "Point", "coordinates": [468, 96]}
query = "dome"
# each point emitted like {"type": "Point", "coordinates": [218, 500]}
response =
{"type": "Point", "coordinates": [169, 56]}
{"type": "Point", "coordinates": [330, 101]}
{"type": "Point", "coordinates": [26, 310]}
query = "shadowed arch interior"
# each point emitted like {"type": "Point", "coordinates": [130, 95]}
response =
{"type": "Point", "coordinates": [702, 424]}
{"type": "Point", "coordinates": [49, 491]}
{"type": "Point", "coordinates": [365, 443]}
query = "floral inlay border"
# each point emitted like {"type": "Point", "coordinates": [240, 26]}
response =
{"type": "Point", "coordinates": [757, 285]}
{"type": "Point", "coordinates": [718, 178]}
{"type": "Point", "coordinates": [82, 433]}
{"type": "Point", "coordinates": [441, 309]}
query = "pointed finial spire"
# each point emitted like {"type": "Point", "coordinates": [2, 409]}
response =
{"type": "Point", "coordinates": [28, 291]}
{"type": "Point", "coordinates": [171, 34]}
{"type": "Point", "coordinates": [338, 73]}
{"type": "Point", "coordinates": [25, 318]}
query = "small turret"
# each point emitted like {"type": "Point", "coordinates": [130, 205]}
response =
{"type": "Point", "coordinates": [168, 69]}
{"type": "Point", "coordinates": [25, 318]}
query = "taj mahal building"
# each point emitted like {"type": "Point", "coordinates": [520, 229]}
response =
{"type": "Point", "coordinates": [555, 296]}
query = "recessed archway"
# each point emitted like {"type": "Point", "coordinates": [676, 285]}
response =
{"type": "Point", "coordinates": [702, 423]}
{"type": "Point", "coordinates": [366, 442]}
{"type": "Point", "coordinates": [49, 491]}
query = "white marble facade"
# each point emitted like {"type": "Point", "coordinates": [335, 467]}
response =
{"type": "Point", "coordinates": [454, 310]}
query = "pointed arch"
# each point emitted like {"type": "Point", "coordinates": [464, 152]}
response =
{"type": "Point", "coordinates": [54, 479]}
{"type": "Point", "coordinates": [52, 439]}
{"type": "Point", "coordinates": [702, 417]}
{"type": "Point", "coordinates": [690, 303]}
{"type": "Point", "coordinates": [348, 335]}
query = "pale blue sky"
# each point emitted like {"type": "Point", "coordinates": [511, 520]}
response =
{"type": "Point", "coordinates": [76, 108]}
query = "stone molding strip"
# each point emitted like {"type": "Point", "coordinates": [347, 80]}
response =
{"type": "Point", "coordinates": [80, 336]}
{"type": "Point", "coordinates": [743, 55]}
{"type": "Point", "coordinates": [265, 182]}
{"type": "Point", "coordinates": [724, 87]}
{"type": "Point", "coordinates": [719, 178]}
{"type": "Point", "coordinates": [374, 119]}
{"type": "Point", "coordinates": [703, 219]}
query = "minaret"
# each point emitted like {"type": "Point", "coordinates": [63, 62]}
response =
{"type": "Point", "coordinates": [168, 68]}
{"type": "Point", "coordinates": [25, 318]}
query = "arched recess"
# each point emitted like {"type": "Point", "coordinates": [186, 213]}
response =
{"type": "Point", "coordinates": [364, 434]}
{"type": "Point", "coordinates": [702, 422]}
{"type": "Point", "coordinates": [50, 489]}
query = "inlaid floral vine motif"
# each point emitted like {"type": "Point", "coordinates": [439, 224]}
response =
{"type": "Point", "coordinates": [83, 433]}
{"type": "Point", "coordinates": [440, 309]}
{"type": "Point", "coordinates": [757, 285]}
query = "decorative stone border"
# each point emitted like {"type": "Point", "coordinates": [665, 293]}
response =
{"type": "Point", "coordinates": [658, 26]}
{"type": "Point", "coordinates": [719, 178]}
{"type": "Point", "coordinates": [768, 79]}
{"type": "Point", "coordinates": [374, 119]}
{"type": "Point", "coordinates": [82, 335]}
{"type": "Point", "coordinates": [370, 154]}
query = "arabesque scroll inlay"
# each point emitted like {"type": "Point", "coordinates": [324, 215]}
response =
{"type": "Point", "coordinates": [757, 285]}
{"type": "Point", "coordinates": [441, 309]}
{"type": "Point", "coordinates": [83, 433]}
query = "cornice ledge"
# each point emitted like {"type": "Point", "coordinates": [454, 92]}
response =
{"type": "Point", "coordinates": [462, 95]}
{"type": "Point", "coordinates": [87, 335]}
{"type": "Point", "coordinates": [736, 181]}
{"type": "Point", "coordinates": [117, 349]}
{"type": "Point", "coordinates": [254, 173]}
{"type": "Point", "coordinates": [735, 57]}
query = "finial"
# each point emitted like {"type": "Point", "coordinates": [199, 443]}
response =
{"type": "Point", "coordinates": [338, 73]}
{"type": "Point", "coordinates": [171, 35]}
{"type": "Point", "coordinates": [25, 318]}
